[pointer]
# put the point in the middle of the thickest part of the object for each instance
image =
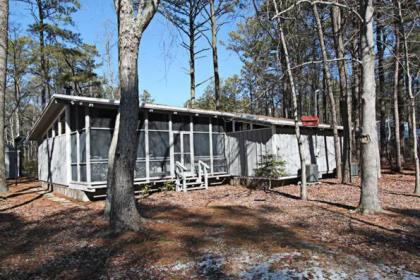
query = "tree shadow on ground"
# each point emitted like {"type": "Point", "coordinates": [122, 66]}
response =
{"type": "Point", "coordinates": [74, 243]}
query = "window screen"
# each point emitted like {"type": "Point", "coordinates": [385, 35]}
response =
{"type": "Point", "coordinates": [82, 146]}
{"type": "Point", "coordinates": [73, 144]}
{"type": "Point", "coordinates": [159, 168]}
{"type": "Point", "coordinates": [99, 171]}
{"type": "Point", "coordinates": [238, 126]}
{"type": "Point", "coordinates": [201, 144]}
{"type": "Point", "coordinates": [218, 125]}
{"type": "Point", "coordinates": [180, 122]}
{"type": "Point", "coordinates": [229, 127]}
{"type": "Point", "coordinates": [219, 165]}
{"type": "Point", "coordinates": [74, 172]}
{"type": "Point", "coordinates": [158, 121]}
{"type": "Point", "coordinates": [100, 117]}
{"type": "Point", "coordinates": [77, 118]}
{"type": "Point", "coordinates": [159, 144]}
{"type": "Point", "coordinates": [218, 144]}
{"type": "Point", "coordinates": [140, 170]}
{"type": "Point", "coordinates": [82, 172]}
{"type": "Point", "coordinates": [141, 146]}
{"type": "Point", "coordinates": [100, 141]}
{"type": "Point", "coordinates": [201, 123]}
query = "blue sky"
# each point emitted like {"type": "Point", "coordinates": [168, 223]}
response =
{"type": "Point", "coordinates": [163, 63]}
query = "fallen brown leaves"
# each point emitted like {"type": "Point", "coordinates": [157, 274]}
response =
{"type": "Point", "coordinates": [225, 232]}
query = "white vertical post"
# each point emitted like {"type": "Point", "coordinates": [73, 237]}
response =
{"type": "Point", "coordinates": [77, 143]}
{"type": "Point", "coordinates": [211, 145]}
{"type": "Point", "coordinates": [146, 144]}
{"type": "Point", "coordinates": [87, 130]}
{"type": "Point", "coordinates": [192, 144]}
{"type": "Point", "coordinates": [68, 144]}
{"type": "Point", "coordinates": [233, 126]}
{"type": "Point", "coordinates": [60, 127]}
{"type": "Point", "coordinates": [171, 147]}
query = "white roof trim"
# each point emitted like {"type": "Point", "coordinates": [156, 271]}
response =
{"type": "Point", "coordinates": [237, 116]}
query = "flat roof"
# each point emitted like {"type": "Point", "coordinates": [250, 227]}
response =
{"type": "Point", "coordinates": [57, 102]}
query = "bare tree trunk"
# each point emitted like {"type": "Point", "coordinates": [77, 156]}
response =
{"type": "Point", "coordinates": [345, 95]}
{"type": "Point", "coordinates": [303, 187]}
{"type": "Point", "coordinates": [398, 160]}
{"type": "Point", "coordinates": [213, 23]}
{"type": "Point", "coordinates": [123, 211]}
{"type": "Point", "coordinates": [380, 40]}
{"type": "Point", "coordinates": [327, 77]}
{"type": "Point", "coordinates": [369, 201]}
{"type": "Point", "coordinates": [4, 16]}
{"type": "Point", "coordinates": [45, 94]}
{"type": "Point", "coordinates": [356, 72]}
{"type": "Point", "coordinates": [412, 99]}
{"type": "Point", "coordinates": [192, 57]}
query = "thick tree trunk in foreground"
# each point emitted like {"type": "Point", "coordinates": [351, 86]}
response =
{"type": "Point", "coordinates": [123, 212]}
{"type": "Point", "coordinates": [4, 15]}
{"type": "Point", "coordinates": [213, 23]}
{"type": "Point", "coordinates": [398, 160]}
{"type": "Point", "coordinates": [303, 187]}
{"type": "Point", "coordinates": [327, 78]}
{"type": "Point", "coordinates": [369, 201]}
{"type": "Point", "coordinates": [345, 95]}
{"type": "Point", "coordinates": [412, 99]}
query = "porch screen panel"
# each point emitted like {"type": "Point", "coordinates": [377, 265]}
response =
{"type": "Point", "coordinates": [73, 145]}
{"type": "Point", "coordinates": [201, 148]}
{"type": "Point", "coordinates": [219, 159]}
{"type": "Point", "coordinates": [159, 147]}
{"type": "Point", "coordinates": [140, 168]}
{"type": "Point", "coordinates": [181, 122]}
{"type": "Point", "coordinates": [100, 141]}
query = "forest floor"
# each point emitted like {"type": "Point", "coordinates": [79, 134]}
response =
{"type": "Point", "coordinates": [227, 232]}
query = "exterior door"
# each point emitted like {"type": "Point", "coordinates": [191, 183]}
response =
{"type": "Point", "coordinates": [182, 148]}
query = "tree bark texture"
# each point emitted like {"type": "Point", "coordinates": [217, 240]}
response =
{"type": "Point", "coordinates": [123, 210]}
{"type": "Point", "coordinates": [303, 187]}
{"type": "Point", "coordinates": [192, 56]}
{"type": "Point", "coordinates": [346, 99]}
{"type": "Point", "coordinates": [369, 201]}
{"type": "Point", "coordinates": [4, 16]}
{"type": "Point", "coordinates": [380, 41]}
{"type": "Point", "coordinates": [213, 23]}
{"type": "Point", "coordinates": [398, 158]}
{"type": "Point", "coordinates": [330, 91]}
{"type": "Point", "coordinates": [45, 91]}
{"type": "Point", "coordinates": [412, 99]}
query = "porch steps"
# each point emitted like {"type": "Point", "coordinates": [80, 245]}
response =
{"type": "Point", "coordinates": [186, 180]}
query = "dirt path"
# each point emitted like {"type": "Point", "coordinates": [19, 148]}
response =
{"type": "Point", "coordinates": [226, 232]}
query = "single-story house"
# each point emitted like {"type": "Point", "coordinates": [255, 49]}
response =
{"type": "Point", "coordinates": [190, 147]}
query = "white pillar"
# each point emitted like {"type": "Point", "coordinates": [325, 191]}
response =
{"type": "Point", "coordinates": [87, 130]}
{"type": "Point", "coordinates": [171, 147]}
{"type": "Point", "coordinates": [211, 146]}
{"type": "Point", "coordinates": [68, 144]}
{"type": "Point", "coordinates": [146, 144]}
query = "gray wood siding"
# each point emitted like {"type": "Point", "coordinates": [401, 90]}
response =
{"type": "Point", "coordinates": [244, 150]}
{"type": "Point", "coordinates": [52, 158]}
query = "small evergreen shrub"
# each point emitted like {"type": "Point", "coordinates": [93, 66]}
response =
{"type": "Point", "coordinates": [270, 166]}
